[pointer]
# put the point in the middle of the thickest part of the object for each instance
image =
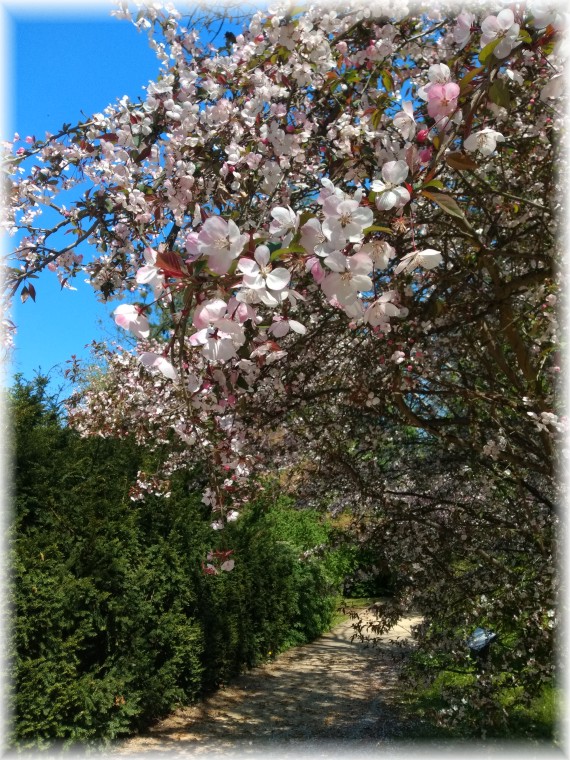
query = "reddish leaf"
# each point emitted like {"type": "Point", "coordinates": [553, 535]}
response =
{"type": "Point", "coordinates": [460, 161]}
{"type": "Point", "coordinates": [445, 202]}
{"type": "Point", "coordinates": [171, 263]}
{"type": "Point", "coordinates": [145, 153]}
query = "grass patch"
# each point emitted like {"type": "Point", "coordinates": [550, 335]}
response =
{"type": "Point", "coordinates": [541, 716]}
{"type": "Point", "coordinates": [537, 721]}
{"type": "Point", "coordinates": [346, 604]}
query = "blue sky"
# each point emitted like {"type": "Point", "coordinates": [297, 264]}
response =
{"type": "Point", "coordinates": [64, 62]}
{"type": "Point", "coordinates": [60, 65]}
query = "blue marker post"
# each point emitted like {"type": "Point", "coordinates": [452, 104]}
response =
{"type": "Point", "coordinates": [479, 643]}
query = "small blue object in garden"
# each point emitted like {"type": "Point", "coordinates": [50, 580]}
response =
{"type": "Point", "coordinates": [480, 639]}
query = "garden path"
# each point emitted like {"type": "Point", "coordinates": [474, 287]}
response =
{"type": "Point", "coordinates": [332, 694]}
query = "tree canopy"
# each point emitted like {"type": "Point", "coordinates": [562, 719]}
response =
{"type": "Point", "coordinates": [345, 224]}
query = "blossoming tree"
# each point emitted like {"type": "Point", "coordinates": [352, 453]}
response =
{"type": "Point", "coordinates": [347, 219]}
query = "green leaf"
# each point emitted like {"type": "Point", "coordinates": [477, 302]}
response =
{"type": "Point", "coordinates": [487, 51]}
{"type": "Point", "coordinates": [445, 202]}
{"type": "Point", "coordinates": [469, 77]}
{"type": "Point", "coordinates": [435, 183]}
{"type": "Point", "coordinates": [376, 118]}
{"type": "Point", "coordinates": [377, 228]}
{"type": "Point", "coordinates": [291, 249]}
{"type": "Point", "coordinates": [387, 80]}
{"type": "Point", "coordinates": [305, 216]}
{"type": "Point", "coordinates": [525, 36]}
{"type": "Point", "coordinates": [499, 94]}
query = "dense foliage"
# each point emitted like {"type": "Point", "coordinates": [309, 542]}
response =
{"type": "Point", "coordinates": [348, 219]}
{"type": "Point", "coordinates": [114, 620]}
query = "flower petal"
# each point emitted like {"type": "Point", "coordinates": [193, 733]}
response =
{"type": "Point", "coordinates": [248, 266]}
{"type": "Point", "coordinates": [336, 261]}
{"type": "Point", "coordinates": [278, 279]}
{"type": "Point", "coordinates": [262, 255]}
{"type": "Point", "coordinates": [297, 327]}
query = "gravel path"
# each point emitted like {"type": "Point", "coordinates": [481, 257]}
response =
{"type": "Point", "coordinates": [329, 693]}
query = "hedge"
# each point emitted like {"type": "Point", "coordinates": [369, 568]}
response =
{"type": "Point", "coordinates": [114, 621]}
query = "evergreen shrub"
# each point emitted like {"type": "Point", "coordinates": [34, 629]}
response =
{"type": "Point", "coordinates": [114, 621]}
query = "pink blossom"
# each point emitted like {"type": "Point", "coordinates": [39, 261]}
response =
{"type": "Point", "coordinates": [442, 99]}
{"type": "Point", "coordinates": [428, 259]}
{"type": "Point", "coordinates": [314, 266]}
{"type": "Point", "coordinates": [349, 277]}
{"type": "Point", "coordinates": [159, 362]}
{"type": "Point", "coordinates": [209, 312]}
{"type": "Point", "coordinates": [380, 311]}
{"type": "Point", "coordinates": [380, 252]}
{"type": "Point", "coordinates": [221, 241]}
{"type": "Point", "coordinates": [502, 27]}
{"type": "Point", "coordinates": [404, 120]}
{"type": "Point", "coordinates": [258, 274]}
{"type": "Point", "coordinates": [239, 311]}
{"type": "Point", "coordinates": [398, 357]}
{"type": "Point", "coordinates": [285, 223]}
{"type": "Point", "coordinates": [218, 336]}
{"type": "Point", "coordinates": [150, 274]}
{"type": "Point", "coordinates": [545, 13]}
{"type": "Point", "coordinates": [314, 239]}
{"type": "Point", "coordinates": [345, 221]}
{"type": "Point", "coordinates": [438, 73]}
{"type": "Point", "coordinates": [462, 30]}
{"type": "Point", "coordinates": [132, 318]}
{"type": "Point", "coordinates": [281, 327]}
{"type": "Point", "coordinates": [485, 141]}
{"type": "Point", "coordinates": [389, 192]}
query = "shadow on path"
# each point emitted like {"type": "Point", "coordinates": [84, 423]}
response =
{"type": "Point", "coordinates": [329, 691]}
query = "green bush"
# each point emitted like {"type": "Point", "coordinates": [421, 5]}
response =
{"type": "Point", "coordinates": [115, 622]}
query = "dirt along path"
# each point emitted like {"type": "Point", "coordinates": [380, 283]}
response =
{"type": "Point", "coordinates": [329, 691]}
